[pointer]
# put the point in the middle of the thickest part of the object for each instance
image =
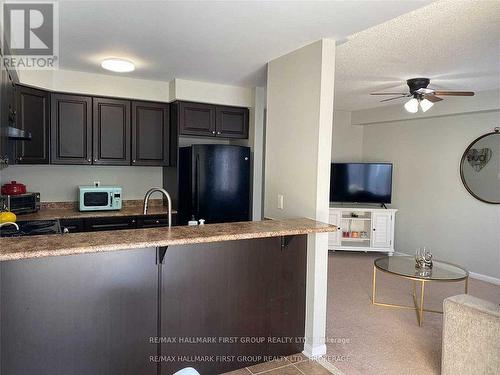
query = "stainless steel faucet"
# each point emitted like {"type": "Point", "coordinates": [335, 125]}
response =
{"type": "Point", "coordinates": [9, 223]}
{"type": "Point", "coordinates": [169, 201]}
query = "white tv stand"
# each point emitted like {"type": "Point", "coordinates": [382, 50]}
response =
{"type": "Point", "coordinates": [362, 229]}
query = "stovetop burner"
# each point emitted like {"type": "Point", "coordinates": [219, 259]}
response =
{"type": "Point", "coordinates": [31, 228]}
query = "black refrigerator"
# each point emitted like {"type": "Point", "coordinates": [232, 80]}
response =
{"type": "Point", "coordinates": [214, 183]}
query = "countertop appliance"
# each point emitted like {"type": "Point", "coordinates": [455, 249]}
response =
{"type": "Point", "coordinates": [361, 182]}
{"type": "Point", "coordinates": [214, 183]}
{"type": "Point", "coordinates": [21, 203]}
{"type": "Point", "coordinates": [99, 198]}
{"type": "Point", "coordinates": [31, 228]}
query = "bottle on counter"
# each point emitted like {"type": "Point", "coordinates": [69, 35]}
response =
{"type": "Point", "coordinates": [193, 221]}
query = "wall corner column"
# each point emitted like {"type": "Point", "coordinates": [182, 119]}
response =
{"type": "Point", "coordinates": [300, 90]}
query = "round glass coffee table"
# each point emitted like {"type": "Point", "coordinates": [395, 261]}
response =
{"type": "Point", "coordinates": [404, 266]}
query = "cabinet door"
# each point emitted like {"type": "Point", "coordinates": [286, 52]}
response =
{"type": "Point", "coordinates": [232, 122]}
{"type": "Point", "coordinates": [334, 238]}
{"type": "Point", "coordinates": [7, 116]}
{"type": "Point", "coordinates": [258, 291]}
{"type": "Point", "coordinates": [80, 314]}
{"type": "Point", "coordinates": [71, 129]}
{"type": "Point", "coordinates": [381, 229]}
{"type": "Point", "coordinates": [33, 116]}
{"type": "Point", "coordinates": [111, 138]}
{"type": "Point", "coordinates": [150, 134]}
{"type": "Point", "coordinates": [196, 119]}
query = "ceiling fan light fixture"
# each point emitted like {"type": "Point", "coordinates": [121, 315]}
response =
{"type": "Point", "coordinates": [425, 105]}
{"type": "Point", "coordinates": [412, 105]}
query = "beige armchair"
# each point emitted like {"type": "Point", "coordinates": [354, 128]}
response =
{"type": "Point", "coordinates": [471, 336]}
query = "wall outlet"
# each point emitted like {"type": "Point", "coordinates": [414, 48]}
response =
{"type": "Point", "coordinates": [97, 183]}
{"type": "Point", "coordinates": [280, 202]}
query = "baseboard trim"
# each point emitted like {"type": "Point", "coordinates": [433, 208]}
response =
{"type": "Point", "coordinates": [331, 368]}
{"type": "Point", "coordinates": [488, 279]}
{"type": "Point", "coordinates": [323, 362]}
{"type": "Point", "coordinates": [314, 351]}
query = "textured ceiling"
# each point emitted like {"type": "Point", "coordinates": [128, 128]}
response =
{"type": "Point", "coordinates": [454, 43]}
{"type": "Point", "coordinates": [226, 41]}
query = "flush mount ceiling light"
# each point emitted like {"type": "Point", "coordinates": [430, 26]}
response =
{"type": "Point", "coordinates": [118, 65]}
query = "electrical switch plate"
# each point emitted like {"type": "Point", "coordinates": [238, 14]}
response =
{"type": "Point", "coordinates": [280, 201]}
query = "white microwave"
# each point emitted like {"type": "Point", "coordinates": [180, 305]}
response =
{"type": "Point", "coordinates": [99, 198]}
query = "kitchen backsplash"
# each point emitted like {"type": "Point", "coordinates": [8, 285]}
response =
{"type": "Point", "coordinates": [58, 183]}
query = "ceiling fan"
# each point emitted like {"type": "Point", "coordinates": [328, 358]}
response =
{"type": "Point", "coordinates": [421, 95]}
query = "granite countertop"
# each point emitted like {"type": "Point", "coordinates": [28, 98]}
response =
{"type": "Point", "coordinates": [69, 210]}
{"type": "Point", "coordinates": [91, 242]}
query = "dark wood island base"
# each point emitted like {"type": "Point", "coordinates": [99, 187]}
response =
{"type": "Point", "coordinates": [215, 306]}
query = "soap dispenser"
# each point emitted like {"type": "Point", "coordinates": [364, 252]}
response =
{"type": "Point", "coordinates": [193, 221]}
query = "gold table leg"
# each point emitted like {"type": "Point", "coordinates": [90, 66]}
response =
{"type": "Point", "coordinates": [418, 307]}
{"type": "Point", "coordinates": [374, 284]}
{"type": "Point", "coordinates": [421, 308]}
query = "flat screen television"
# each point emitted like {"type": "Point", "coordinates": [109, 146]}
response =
{"type": "Point", "coordinates": [361, 182]}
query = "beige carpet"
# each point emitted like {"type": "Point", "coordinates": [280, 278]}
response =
{"type": "Point", "coordinates": [368, 339]}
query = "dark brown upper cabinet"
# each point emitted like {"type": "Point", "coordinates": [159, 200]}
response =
{"type": "Point", "coordinates": [206, 120]}
{"type": "Point", "coordinates": [231, 122]}
{"type": "Point", "coordinates": [33, 115]}
{"type": "Point", "coordinates": [150, 134]}
{"type": "Point", "coordinates": [111, 136]}
{"type": "Point", "coordinates": [196, 119]}
{"type": "Point", "coordinates": [7, 113]}
{"type": "Point", "coordinates": [71, 129]}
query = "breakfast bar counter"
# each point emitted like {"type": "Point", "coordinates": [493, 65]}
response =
{"type": "Point", "coordinates": [217, 297]}
{"type": "Point", "coordinates": [93, 242]}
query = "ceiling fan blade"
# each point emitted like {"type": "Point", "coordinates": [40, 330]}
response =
{"type": "Point", "coordinates": [455, 93]}
{"type": "Point", "coordinates": [432, 98]}
{"type": "Point", "coordinates": [397, 97]}
{"type": "Point", "coordinates": [389, 93]}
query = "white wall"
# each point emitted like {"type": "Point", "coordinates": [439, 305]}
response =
{"type": "Point", "coordinates": [96, 84]}
{"type": "Point", "coordinates": [206, 92]}
{"type": "Point", "coordinates": [347, 140]}
{"type": "Point", "coordinates": [300, 87]}
{"type": "Point", "coordinates": [58, 183]}
{"type": "Point", "coordinates": [435, 209]}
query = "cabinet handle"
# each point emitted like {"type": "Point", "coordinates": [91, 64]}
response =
{"type": "Point", "coordinates": [133, 161]}
{"type": "Point", "coordinates": [89, 160]}
{"type": "Point", "coordinates": [374, 229]}
{"type": "Point", "coordinates": [20, 158]}
{"type": "Point", "coordinates": [95, 159]}
{"type": "Point", "coordinates": [213, 132]}
{"type": "Point", "coordinates": [218, 133]}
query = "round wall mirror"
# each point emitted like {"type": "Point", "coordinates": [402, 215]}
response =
{"type": "Point", "coordinates": [480, 167]}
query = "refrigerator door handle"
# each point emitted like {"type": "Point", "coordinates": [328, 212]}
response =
{"type": "Point", "coordinates": [197, 184]}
